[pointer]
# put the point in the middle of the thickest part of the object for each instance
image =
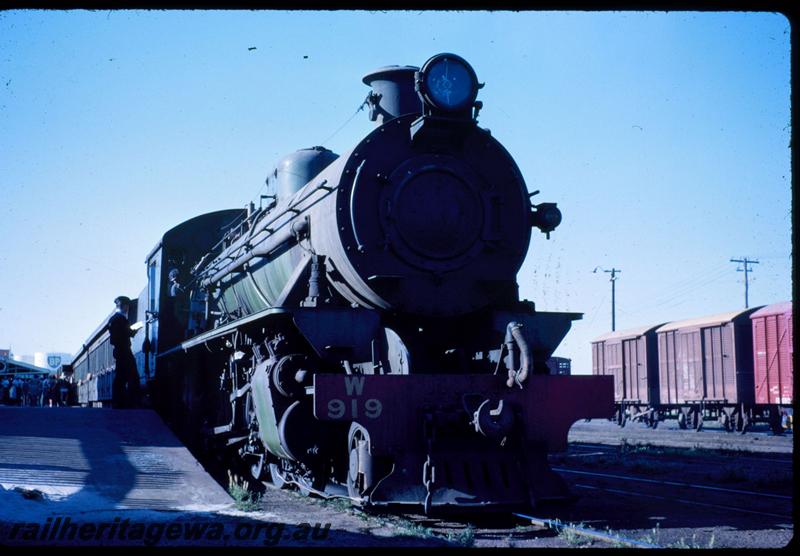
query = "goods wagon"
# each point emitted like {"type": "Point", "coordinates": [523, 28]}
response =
{"type": "Point", "coordinates": [631, 357]}
{"type": "Point", "coordinates": [773, 351]}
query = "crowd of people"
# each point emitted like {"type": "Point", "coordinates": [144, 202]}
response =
{"type": "Point", "coordinates": [42, 391]}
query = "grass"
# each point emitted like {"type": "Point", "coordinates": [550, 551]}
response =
{"type": "Point", "coordinates": [573, 538]}
{"type": "Point", "coordinates": [683, 543]}
{"type": "Point", "coordinates": [243, 499]}
{"type": "Point", "coordinates": [339, 504]}
{"type": "Point", "coordinates": [653, 537]}
{"type": "Point", "coordinates": [465, 538]}
{"type": "Point", "coordinates": [415, 530]}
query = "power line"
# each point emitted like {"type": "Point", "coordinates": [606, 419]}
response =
{"type": "Point", "coordinates": [745, 262]}
{"type": "Point", "coordinates": [688, 288]}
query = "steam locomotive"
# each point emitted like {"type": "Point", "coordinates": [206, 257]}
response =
{"type": "Point", "coordinates": [361, 334]}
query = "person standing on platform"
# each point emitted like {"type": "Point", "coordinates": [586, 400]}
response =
{"type": "Point", "coordinates": [5, 385]}
{"type": "Point", "coordinates": [47, 391]}
{"type": "Point", "coordinates": [34, 391]}
{"type": "Point", "coordinates": [125, 389]}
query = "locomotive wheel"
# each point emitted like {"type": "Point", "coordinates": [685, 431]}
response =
{"type": "Point", "coordinates": [359, 475]}
{"type": "Point", "coordinates": [257, 469]}
{"type": "Point", "coordinates": [682, 420]}
{"type": "Point", "coordinates": [310, 482]}
{"type": "Point", "coordinates": [278, 479]}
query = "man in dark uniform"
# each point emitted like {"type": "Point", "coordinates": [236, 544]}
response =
{"type": "Point", "coordinates": [125, 389]}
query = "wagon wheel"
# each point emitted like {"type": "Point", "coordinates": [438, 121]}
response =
{"type": "Point", "coordinates": [775, 421]}
{"type": "Point", "coordinates": [743, 422]}
{"type": "Point", "coordinates": [697, 420]}
{"type": "Point", "coordinates": [736, 420]}
{"type": "Point", "coordinates": [725, 421]}
{"type": "Point", "coordinates": [681, 420]}
{"type": "Point", "coordinates": [654, 419]}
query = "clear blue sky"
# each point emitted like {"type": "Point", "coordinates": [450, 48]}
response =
{"type": "Point", "coordinates": [664, 138]}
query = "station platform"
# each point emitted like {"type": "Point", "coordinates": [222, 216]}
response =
{"type": "Point", "coordinates": [101, 459]}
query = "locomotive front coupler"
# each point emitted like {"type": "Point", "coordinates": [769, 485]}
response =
{"type": "Point", "coordinates": [461, 440]}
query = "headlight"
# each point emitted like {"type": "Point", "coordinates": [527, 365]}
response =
{"type": "Point", "coordinates": [447, 82]}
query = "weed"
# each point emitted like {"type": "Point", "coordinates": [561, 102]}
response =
{"type": "Point", "coordinates": [466, 537]}
{"type": "Point", "coordinates": [572, 537]}
{"type": "Point", "coordinates": [615, 544]}
{"type": "Point", "coordinates": [682, 543]}
{"type": "Point", "coordinates": [243, 499]}
{"type": "Point", "coordinates": [416, 530]}
{"type": "Point", "coordinates": [339, 504]}
{"type": "Point", "coordinates": [653, 536]}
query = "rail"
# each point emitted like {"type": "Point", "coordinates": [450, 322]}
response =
{"type": "Point", "coordinates": [586, 532]}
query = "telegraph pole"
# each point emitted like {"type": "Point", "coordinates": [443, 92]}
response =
{"type": "Point", "coordinates": [612, 279]}
{"type": "Point", "coordinates": [746, 270]}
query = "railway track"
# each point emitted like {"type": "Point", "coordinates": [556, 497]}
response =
{"type": "Point", "coordinates": [650, 499]}
{"type": "Point", "coordinates": [709, 498]}
{"type": "Point", "coordinates": [560, 527]}
{"type": "Point", "coordinates": [629, 496]}
{"type": "Point", "coordinates": [586, 449]}
{"type": "Point", "coordinates": [601, 433]}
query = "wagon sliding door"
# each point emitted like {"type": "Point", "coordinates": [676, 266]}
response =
{"type": "Point", "coordinates": [634, 369]}
{"type": "Point", "coordinates": [613, 354]}
{"type": "Point", "coordinates": [667, 368]}
{"type": "Point", "coordinates": [689, 366]}
{"type": "Point", "coordinates": [718, 369]}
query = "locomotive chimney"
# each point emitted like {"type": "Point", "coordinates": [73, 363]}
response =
{"type": "Point", "coordinates": [392, 93]}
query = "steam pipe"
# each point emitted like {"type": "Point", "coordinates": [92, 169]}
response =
{"type": "Point", "coordinates": [514, 336]}
{"type": "Point", "coordinates": [263, 249]}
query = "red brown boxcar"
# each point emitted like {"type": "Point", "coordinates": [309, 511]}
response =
{"type": "Point", "coordinates": [706, 369]}
{"type": "Point", "coordinates": [631, 357]}
{"type": "Point", "coordinates": [772, 356]}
